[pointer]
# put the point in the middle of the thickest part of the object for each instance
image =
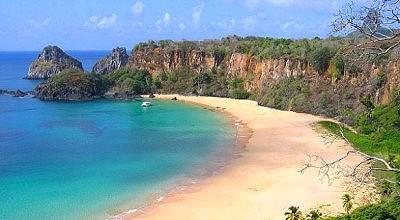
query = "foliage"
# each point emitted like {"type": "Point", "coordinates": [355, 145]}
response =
{"type": "Point", "coordinates": [207, 83]}
{"type": "Point", "coordinates": [135, 82]}
{"type": "Point", "coordinates": [336, 68]}
{"type": "Point", "coordinates": [314, 215]}
{"type": "Point", "coordinates": [288, 94]}
{"type": "Point", "coordinates": [347, 202]}
{"type": "Point", "coordinates": [237, 90]}
{"type": "Point", "coordinates": [72, 84]}
{"type": "Point", "coordinates": [386, 209]}
{"type": "Point", "coordinates": [321, 58]}
{"type": "Point", "coordinates": [294, 213]}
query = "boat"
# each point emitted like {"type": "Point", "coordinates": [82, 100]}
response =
{"type": "Point", "coordinates": [146, 104]}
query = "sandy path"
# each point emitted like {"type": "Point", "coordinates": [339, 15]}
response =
{"type": "Point", "coordinates": [265, 181]}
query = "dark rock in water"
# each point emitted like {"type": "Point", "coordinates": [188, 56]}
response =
{"type": "Point", "coordinates": [71, 85]}
{"type": "Point", "coordinates": [17, 93]}
{"type": "Point", "coordinates": [116, 60]}
{"type": "Point", "coordinates": [152, 96]}
{"type": "Point", "coordinates": [174, 99]}
{"type": "Point", "coordinates": [20, 93]}
{"type": "Point", "coordinates": [51, 61]}
{"type": "Point", "coordinates": [123, 95]}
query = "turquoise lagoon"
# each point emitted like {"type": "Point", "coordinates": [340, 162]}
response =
{"type": "Point", "coordinates": [93, 160]}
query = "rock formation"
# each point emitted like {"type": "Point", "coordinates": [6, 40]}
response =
{"type": "Point", "coordinates": [51, 61]}
{"type": "Point", "coordinates": [71, 84]}
{"type": "Point", "coordinates": [116, 60]}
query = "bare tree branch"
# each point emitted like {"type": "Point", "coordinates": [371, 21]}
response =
{"type": "Point", "coordinates": [375, 24]}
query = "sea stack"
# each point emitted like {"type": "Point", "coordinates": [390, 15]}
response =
{"type": "Point", "coordinates": [51, 61]}
{"type": "Point", "coordinates": [114, 61]}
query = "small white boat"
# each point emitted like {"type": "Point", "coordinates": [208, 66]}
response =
{"type": "Point", "coordinates": [146, 104]}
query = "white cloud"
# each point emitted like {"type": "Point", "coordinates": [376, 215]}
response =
{"type": "Point", "coordinates": [167, 18]}
{"type": "Point", "coordinates": [290, 25]}
{"type": "Point", "coordinates": [165, 21]}
{"type": "Point", "coordinates": [102, 22]}
{"type": "Point", "coordinates": [249, 22]}
{"type": "Point", "coordinates": [181, 26]}
{"type": "Point", "coordinates": [137, 8]}
{"type": "Point", "coordinates": [309, 4]}
{"type": "Point", "coordinates": [225, 24]}
{"type": "Point", "coordinates": [282, 3]}
{"type": "Point", "coordinates": [252, 3]}
{"type": "Point", "coordinates": [35, 23]}
{"type": "Point", "coordinates": [197, 12]}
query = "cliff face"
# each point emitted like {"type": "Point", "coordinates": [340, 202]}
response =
{"type": "Point", "coordinates": [259, 71]}
{"type": "Point", "coordinates": [116, 60]}
{"type": "Point", "coordinates": [51, 61]}
{"type": "Point", "coordinates": [374, 82]}
{"type": "Point", "coordinates": [157, 60]}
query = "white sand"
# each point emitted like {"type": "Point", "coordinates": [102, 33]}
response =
{"type": "Point", "coordinates": [265, 181]}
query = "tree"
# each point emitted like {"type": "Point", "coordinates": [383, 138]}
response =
{"type": "Point", "coordinates": [294, 213]}
{"type": "Point", "coordinates": [314, 215]}
{"type": "Point", "coordinates": [347, 202]}
{"type": "Point", "coordinates": [375, 24]}
{"type": "Point", "coordinates": [321, 58]}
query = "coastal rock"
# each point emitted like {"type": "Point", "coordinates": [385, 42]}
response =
{"type": "Point", "coordinates": [71, 84]}
{"type": "Point", "coordinates": [114, 61]}
{"type": "Point", "coordinates": [122, 95]}
{"type": "Point", "coordinates": [51, 61]}
{"type": "Point", "coordinates": [17, 93]}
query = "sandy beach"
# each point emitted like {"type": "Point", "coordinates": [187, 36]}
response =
{"type": "Point", "coordinates": [265, 180]}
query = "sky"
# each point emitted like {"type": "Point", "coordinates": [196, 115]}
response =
{"type": "Point", "coordinates": [105, 24]}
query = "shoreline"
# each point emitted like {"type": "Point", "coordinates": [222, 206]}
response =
{"type": "Point", "coordinates": [264, 180]}
{"type": "Point", "coordinates": [194, 180]}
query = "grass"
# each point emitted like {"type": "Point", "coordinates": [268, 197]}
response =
{"type": "Point", "coordinates": [389, 207]}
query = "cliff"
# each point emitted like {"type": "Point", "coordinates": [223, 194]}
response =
{"type": "Point", "coordinates": [285, 82]}
{"type": "Point", "coordinates": [114, 61]}
{"type": "Point", "coordinates": [157, 59]}
{"type": "Point", "coordinates": [51, 61]}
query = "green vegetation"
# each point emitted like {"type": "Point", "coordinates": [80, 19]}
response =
{"type": "Point", "coordinates": [207, 83]}
{"type": "Point", "coordinates": [377, 134]}
{"type": "Point", "coordinates": [294, 213]}
{"type": "Point", "coordinates": [384, 210]}
{"type": "Point", "coordinates": [347, 201]}
{"type": "Point", "coordinates": [72, 84]}
{"type": "Point", "coordinates": [126, 81]}
{"type": "Point", "coordinates": [314, 215]}
{"type": "Point", "coordinates": [321, 57]}
{"type": "Point", "coordinates": [289, 94]}
{"type": "Point", "coordinates": [237, 90]}
{"type": "Point", "coordinates": [318, 52]}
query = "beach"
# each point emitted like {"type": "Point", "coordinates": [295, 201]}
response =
{"type": "Point", "coordinates": [265, 179]}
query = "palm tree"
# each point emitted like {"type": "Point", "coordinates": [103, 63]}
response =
{"type": "Point", "coordinates": [294, 213]}
{"type": "Point", "coordinates": [314, 215]}
{"type": "Point", "coordinates": [347, 202]}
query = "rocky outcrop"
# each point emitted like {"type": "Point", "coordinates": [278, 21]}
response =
{"type": "Point", "coordinates": [116, 60]}
{"type": "Point", "coordinates": [258, 71]}
{"type": "Point", "coordinates": [71, 84]}
{"type": "Point", "coordinates": [17, 93]}
{"type": "Point", "coordinates": [157, 59]}
{"type": "Point", "coordinates": [51, 61]}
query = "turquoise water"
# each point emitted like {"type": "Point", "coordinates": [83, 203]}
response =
{"type": "Point", "coordinates": [91, 160]}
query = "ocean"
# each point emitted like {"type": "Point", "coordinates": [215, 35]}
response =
{"type": "Point", "coordinates": [97, 159]}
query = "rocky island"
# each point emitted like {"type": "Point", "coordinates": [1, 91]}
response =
{"type": "Point", "coordinates": [51, 61]}
{"type": "Point", "coordinates": [116, 60]}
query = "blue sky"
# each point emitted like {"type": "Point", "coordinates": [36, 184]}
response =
{"type": "Point", "coordinates": [104, 24]}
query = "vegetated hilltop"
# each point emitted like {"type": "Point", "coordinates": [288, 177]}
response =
{"type": "Point", "coordinates": [306, 75]}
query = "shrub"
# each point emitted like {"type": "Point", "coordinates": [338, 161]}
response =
{"type": "Point", "coordinates": [237, 89]}
{"type": "Point", "coordinates": [135, 82]}
{"type": "Point", "coordinates": [321, 58]}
